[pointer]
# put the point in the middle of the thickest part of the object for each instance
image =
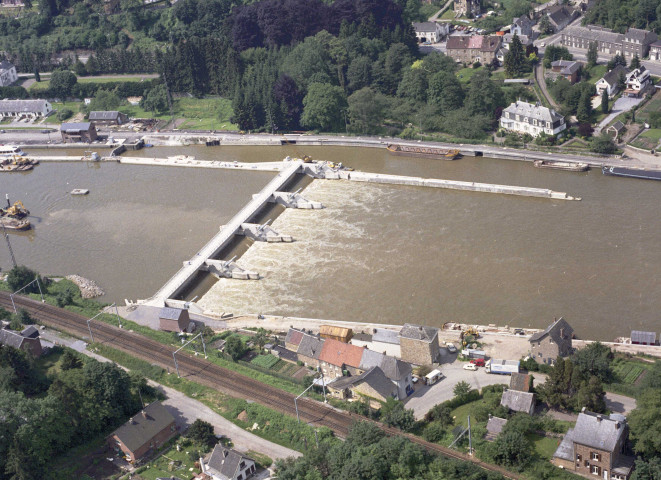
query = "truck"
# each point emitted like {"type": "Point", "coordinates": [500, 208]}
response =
{"type": "Point", "coordinates": [432, 377]}
{"type": "Point", "coordinates": [502, 367]}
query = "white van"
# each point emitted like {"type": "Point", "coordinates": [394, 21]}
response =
{"type": "Point", "coordinates": [432, 377]}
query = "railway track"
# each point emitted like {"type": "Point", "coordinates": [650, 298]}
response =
{"type": "Point", "coordinates": [224, 380]}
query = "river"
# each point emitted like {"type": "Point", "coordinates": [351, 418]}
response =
{"type": "Point", "coordinates": [377, 253]}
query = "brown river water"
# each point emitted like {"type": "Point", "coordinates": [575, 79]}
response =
{"type": "Point", "coordinates": [378, 253]}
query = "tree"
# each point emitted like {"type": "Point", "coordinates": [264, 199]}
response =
{"type": "Point", "coordinates": [511, 449]}
{"type": "Point", "coordinates": [645, 424]}
{"type": "Point", "coordinates": [604, 101]}
{"type": "Point", "coordinates": [70, 360]}
{"type": "Point", "coordinates": [202, 433]}
{"type": "Point", "coordinates": [635, 62]}
{"type": "Point", "coordinates": [104, 100]}
{"type": "Point", "coordinates": [324, 107]}
{"type": "Point", "coordinates": [545, 26]}
{"type": "Point", "coordinates": [37, 77]}
{"type": "Point", "coordinates": [592, 55]}
{"type": "Point", "coordinates": [647, 470]}
{"type": "Point", "coordinates": [602, 144]}
{"type": "Point", "coordinates": [445, 92]}
{"type": "Point", "coordinates": [462, 388]}
{"type": "Point", "coordinates": [234, 347]}
{"type": "Point", "coordinates": [484, 96]}
{"type": "Point", "coordinates": [394, 414]}
{"type": "Point", "coordinates": [19, 276]}
{"type": "Point", "coordinates": [595, 359]}
{"type": "Point", "coordinates": [366, 110]}
{"type": "Point", "coordinates": [591, 396]}
{"type": "Point", "coordinates": [62, 82]}
{"type": "Point", "coordinates": [156, 100]}
{"type": "Point", "coordinates": [515, 58]}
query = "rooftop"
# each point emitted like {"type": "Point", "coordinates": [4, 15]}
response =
{"type": "Point", "coordinates": [418, 332]}
{"type": "Point", "coordinates": [533, 111]}
{"type": "Point", "coordinates": [144, 426]}
{"type": "Point", "coordinates": [294, 336]}
{"type": "Point", "coordinates": [374, 377]}
{"type": "Point", "coordinates": [338, 353]}
{"type": "Point", "coordinates": [425, 26]}
{"type": "Point", "coordinates": [520, 382]}
{"type": "Point", "coordinates": [310, 346]}
{"type": "Point", "coordinates": [226, 461]}
{"type": "Point", "coordinates": [559, 330]}
{"type": "Point", "coordinates": [107, 115]}
{"type": "Point", "coordinates": [384, 335]}
{"type": "Point", "coordinates": [518, 401]}
{"type": "Point", "coordinates": [24, 106]}
{"type": "Point", "coordinates": [566, 67]}
{"type": "Point", "coordinates": [170, 313]}
{"type": "Point", "coordinates": [494, 427]}
{"type": "Point", "coordinates": [75, 127]}
{"type": "Point", "coordinates": [598, 431]}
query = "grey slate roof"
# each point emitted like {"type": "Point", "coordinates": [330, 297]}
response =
{"type": "Point", "coordinates": [418, 332]}
{"type": "Point", "coordinates": [75, 127]}
{"type": "Point", "coordinates": [144, 426]}
{"type": "Point", "coordinates": [567, 67]}
{"type": "Point", "coordinates": [226, 461]}
{"type": "Point", "coordinates": [560, 14]}
{"type": "Point", "coordinates": [11, 338]}
{"type": "Point", "coordinates": [613, 76]}
{"type": "Point", "coordinates": [495, 426]}
{"type": "Point", "coordinates": [374, 377]}
{"type": "Point", "coordinates": [643, 337]}
{"type": "Point", "coordinates": [524, 39]}
{"type": "Point", "coordinates": [594, 34]}
{"type": "Point", "coordinates": [523, 22]}
{"type": "Point", "coordinates": [108, 115]}
{"type": "Point", "coordinates": [617, 126]}
{"type": "Point", "coordinates": [566, 448]}
{"type": "Point", "coordinates": [384, 335]}
{"type": "Point", "coordinates": [5, 65]}
{"type": "Point", "coordinates": [310, 346]}
{"type": "Point", "coordinates": [425, 26]}
{"type": "Point", "coordinates": [518, 401]}
{"type": "Point", "coordinates": [30, 332]}
{"type": "Point", "coordinates": [392, 367]}
{"type": "Point", "coordinates": [643, 36]}
{"type": "Point", "coordinates": [23, 106]}
{"type": "Point", "coordinates": [554, 331]}
{"type": "Point", "coordinates": [284, 353]}
{"type": "Point", "coordinates": [598, 431]}
{"type": "Point", "coordinates": [531, 111]}
{"type": "Point", "coordinates": [170, 313]}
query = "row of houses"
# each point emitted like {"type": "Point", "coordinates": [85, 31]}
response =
{"type": "Point", "coordinates": [633, 42]}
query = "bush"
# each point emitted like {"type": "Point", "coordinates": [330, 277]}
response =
{"type": "Point", "coordinates": [434, 432]}
{"type": "Point", "coordinates": [602, 144]}
{"type": "Point", "coordinates": [64, 114]}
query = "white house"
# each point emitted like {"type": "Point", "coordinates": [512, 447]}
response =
{"type": "Point", "coordinates": [610, 80]}
{"type": "Point", "coordinates": [25, 108]}
{"type": "Point", "coordinates": [7, 74]}
{"type": "Point", "coordinates": [522, 26]}
{"type": "Point", "coordinates": [637, 81]}
{"type": "Point", "coordinates": [227, 464]}
{"type": "Point", "coordinates": [430, 31]}
{"type": "Point", "coordinates": [533, 119]}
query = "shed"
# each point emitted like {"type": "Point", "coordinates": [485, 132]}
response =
{"type": "Point", "coordinates": [643, 338]}
{"type": "Point", "coordinates": [108, 118]}
{"type": "Point", "coordinates": [518, 401]}
{"type": "Point", "coordinates": [341, 334]}
{"type": "Point", "coordinates": [173, 319]}
{"type": "Point", "coordinates": [520, 382]}
{"type": "Point", "coordinates": [495, 425]}
{"type": "Point", "coordinates": [615, 130]}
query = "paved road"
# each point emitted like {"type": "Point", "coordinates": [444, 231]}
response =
{"type": "Point", "coordinates": [541, 81]}
{"type": "Point", "coordinates": [622, 104]}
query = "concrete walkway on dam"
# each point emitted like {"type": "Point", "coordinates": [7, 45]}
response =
{"type": "Point", "coordinates": [223, 237]}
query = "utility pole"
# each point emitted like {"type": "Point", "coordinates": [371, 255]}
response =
{"type": "Point", "coordinates": [11, 252]}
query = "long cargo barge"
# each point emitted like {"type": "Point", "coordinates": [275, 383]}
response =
{"type": "Point", "coordinates": [632, 172]}
{"type": "Point", "coordinates": [427, 152]}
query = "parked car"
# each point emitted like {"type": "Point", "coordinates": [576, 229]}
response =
{"type": "Point", "coordinates": [470, 366]}
{"type": "Point", "coordinates": [478, 362]}
{"type": "Point", "coordinates": [451, 348]}
{"type": "Point", "coordinates": [415, 379]}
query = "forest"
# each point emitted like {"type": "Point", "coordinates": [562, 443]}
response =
{"type": "Point", "coordinates": [622, 14]}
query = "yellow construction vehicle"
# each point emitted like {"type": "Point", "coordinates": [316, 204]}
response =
{"type": "Point", "coordinates": [17, 210]}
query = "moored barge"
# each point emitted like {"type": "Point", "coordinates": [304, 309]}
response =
{"type": "Point", "coordinates": [426, 152]}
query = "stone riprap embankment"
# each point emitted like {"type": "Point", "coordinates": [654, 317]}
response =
{"type": "Point", "coordinates": [88, 288]}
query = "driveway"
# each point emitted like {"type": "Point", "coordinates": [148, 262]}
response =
{"type": "Point", "coordinates": [541, 81]}
{"type": "Point", "coordinates": [622, 104]}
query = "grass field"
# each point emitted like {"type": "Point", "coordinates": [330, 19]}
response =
{"type": "Point", "coordinates": [628, 372]}
{"type": "Point", "coordinates": [544, 446]}
{"type": "Point", "coordinates": [597, 72]}
{"type": "Point", "coordinates": [45, 84]}
{"type": "Point", "coordinates": [648, 140]}
{"type": "Point", "coordinates": [160, 468]}
{"type": "Point", "coordinates": [265, 361]}
{"type": "Point", "coordinates": [654, 105]}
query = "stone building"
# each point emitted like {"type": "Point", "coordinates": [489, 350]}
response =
{"type": "Point", "coordinates": [372, 384]}
{"type": "Point", "coordinates": [595, 447]}
{"type": "Point", "coordinates": [633, 42]}
{"type": "Point", "coordinates": [25, 340]}
{"type": "Point", "coordinates": [476, 48]}
{"type": "Point", "coordinates": [144, 433]}
{"type": "Point", "coordinates": [173, 319]}
{"type": "Point", "coordinates": [518, 401]}
{"type": "Point", "coordinates": [419, 344]}
{"type": "Point", "coordinates": [655, 51]}
{"type": "Point", "coordinates": [25, 108]}
{"type": "Point", "coordinates": [397, 371]}
{"type": "Point", "coordinates": [78, 132]}
{"type": "Point", "coordinates": [108, 118]}
{"type": "Point", "coordinates": [309, 350]}
{"type": "Point", "coordinates": [524, 117]}
{"type": "Point", "coordinates": [337, 357]}
{"type": "Point", "coordinates": [467, 7]}
{"type": "Point", "coordinates": [560, 16]}
{"type": "Point", "coordinates": [554, 342]}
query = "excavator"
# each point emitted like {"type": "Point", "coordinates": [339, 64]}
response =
{"type": "Point", "coordinates": [17, 210]}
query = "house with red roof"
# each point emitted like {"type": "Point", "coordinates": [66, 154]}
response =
{"type": "Point", "coordinates": [336, 357]}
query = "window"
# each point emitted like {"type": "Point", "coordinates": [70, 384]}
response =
{"type": "Point", "coordinates": [594, 470]}
{"type": "Point", "coordinates": [595, 456]}
{"type": "Point", "coordinates": [578, 457]}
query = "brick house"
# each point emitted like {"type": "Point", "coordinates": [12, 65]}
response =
{"type": "Point", "coordinates": [398, 372]}
{"type": "Point", "coordinates": [372, 384]}
{"type": "Point", "coordinates": [419, 344]}
{"type": "Point", "coordinates": [475, 48]}
{"type": "Point", "coordinates": [227, 464]}
{"type": "Point", "coordinates": [554, 342]}
{"type": "Point", "coordinates": [78, 132]}
{"type": "Point", "coordinates": [173, 319]}
{"type": "Point", "coordinates": [336, 357]}
{"type": "Point", "coordinates": [25, 340]}
{"type": "Point", "coordinates": [145, 432]}
{"type": "Point", "coordinates": [595, 447]}
{"type": "Point", "coordinates": [566, 69]}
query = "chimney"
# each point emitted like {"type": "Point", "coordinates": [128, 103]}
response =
{"type": "Point", "coordinates": [562, 333]}
{"type": "Point", "coordinates": [144, 414]}
{"type": "Point", "coordinates": [583, 410]}
{"type": "Point", "coordinates": [599, 417]}
{"type": "Point", "coordinates": [617, 425]}
{"type": "Point", "coordinates": [131, 421]}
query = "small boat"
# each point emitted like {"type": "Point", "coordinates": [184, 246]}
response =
{"type": "Point", "coordinates": [427, 152]}
{"type": "Point", "coordinates": [80, 191]}
{"type": "Point", "coordinates": [558, 165]}
{"type": "Point", "coordinates": [632, 172]}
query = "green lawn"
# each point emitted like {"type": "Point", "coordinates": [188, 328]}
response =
{"type": "Point", "coordinates": [212, 113]}
{"type": "Point", "coordinates": [73, 106]}
{"type": "Point", "coordinates": [648, 140]}
{"type": "Point", "coordinates": [45, 84]}
{"type": "Point", "coordinates": [427, 10]}
{"type": "Point", "coordinates": [465, 74]}
{"type": "Point", "coordinates": [544, 446]}
{"type": "Point", "coordinates": [597, 72]}
{"type": "Point", "coordinates": [448, 14]}
{"type": "Point", "coordinates": [161, 466]}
